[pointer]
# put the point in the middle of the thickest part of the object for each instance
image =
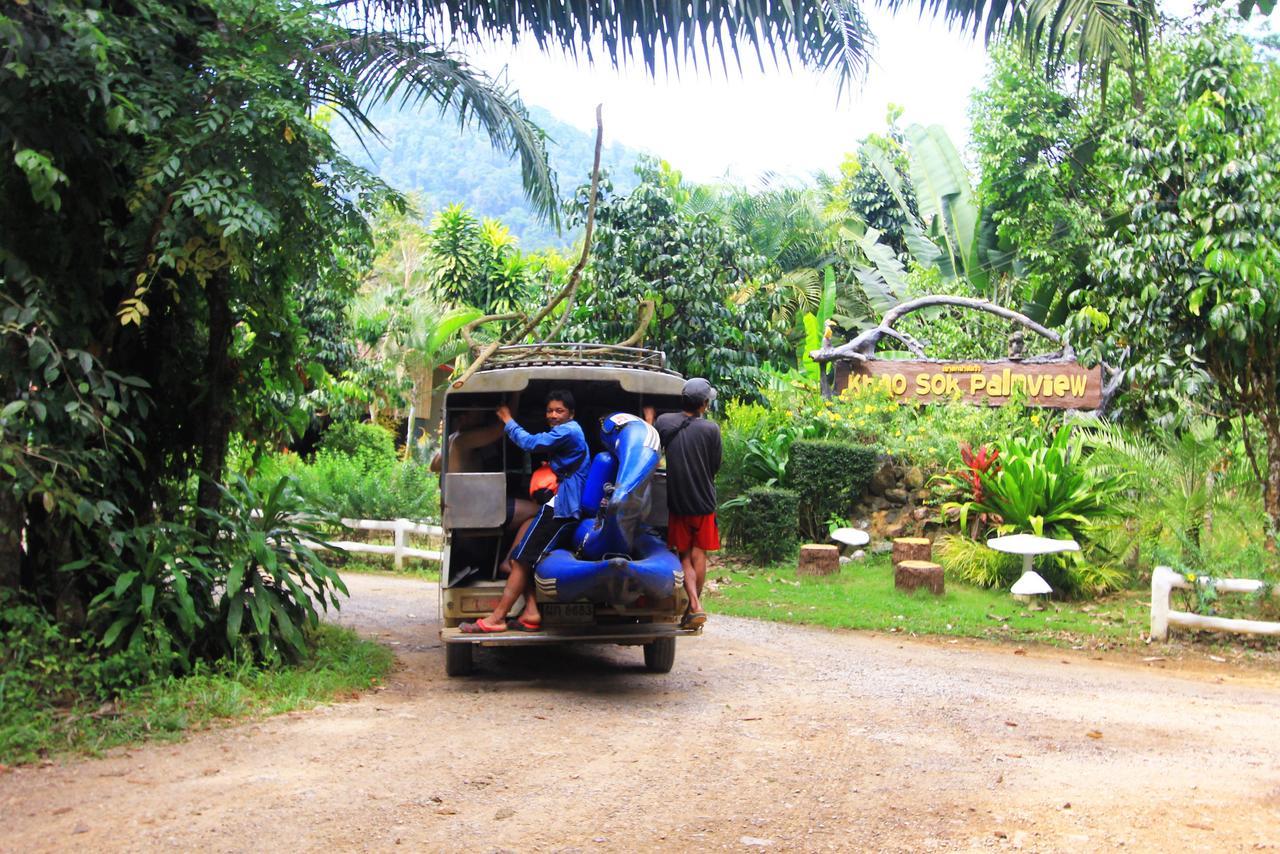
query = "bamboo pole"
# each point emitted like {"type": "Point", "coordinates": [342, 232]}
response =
{"type": "Point", "coordinates": [571, 287]}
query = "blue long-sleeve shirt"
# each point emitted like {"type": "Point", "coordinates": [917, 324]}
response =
{"type": "Point", "coordinates": [567, 447]}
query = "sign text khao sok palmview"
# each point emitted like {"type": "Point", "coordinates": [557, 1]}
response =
{"type": "Point", "coordinates": [1054, 380]}
{"type": "Point", "coordinates": [1060, 385]}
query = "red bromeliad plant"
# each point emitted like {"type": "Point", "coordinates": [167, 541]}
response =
{"type": "Point", "coordinates": [978, 464]}
{"type": "Point", "coordinates": [968, 483]}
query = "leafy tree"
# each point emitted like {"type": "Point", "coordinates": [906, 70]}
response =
{"type": "Point", "coordinates": [863, 192]}
{"type": "Point", "coordinates": [1189, 287]}
{"type": "Point", "coordinates": [177, 231]}
{"type": "Point", "coordinates": [787, 228]}
{"type": "Point", "coordinates": [689, 265]}
{"type": "Point", "coordinates": [1036, 139]}
{"type": "Point", "coordinates": [456, 260]}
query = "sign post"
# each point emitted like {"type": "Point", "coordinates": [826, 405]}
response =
{"type": "Point", "coordinates": [1057, 385]}
{"type": "Point", "coordinates": [1057, 380]}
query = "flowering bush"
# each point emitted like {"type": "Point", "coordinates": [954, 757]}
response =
{"type": "Point", "coordinates": [926, 435]}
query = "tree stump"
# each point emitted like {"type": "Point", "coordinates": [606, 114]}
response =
{"type": "Point", "coordinates": [818, 559]}
{"type": "Point", "coordinates": [912, 548]}
{"type": "Point", "coordinates": [910, 574]}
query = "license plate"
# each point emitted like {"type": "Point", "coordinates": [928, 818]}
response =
{"type": "Point", "coordinates": [568, 612]}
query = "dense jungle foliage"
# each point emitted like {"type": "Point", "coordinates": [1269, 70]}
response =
{"type": "Point", "coordinates": [201, 295]}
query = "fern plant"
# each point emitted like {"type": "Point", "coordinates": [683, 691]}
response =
{"type": "Point", "coordinates": [1182, 481]}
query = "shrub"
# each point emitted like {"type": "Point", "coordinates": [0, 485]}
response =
{"type": "Point", "coordinates": [1045, 489]}
{"type": "Point", "coordinates": [828, 475]}
{"type": "Point", "coordinates": [362, 440]}
{"type": "Point", "coordinates": [974, 563]}
{"type": "Point", "coordinates": [764, 522]}
{"type": "Point", "coordinates": [273, 578]}
{"type": "Point", "coordinates": [360, 487]}
{"type": "Point", "coordinates": [757, 443]}
{"type": "Point", "coordinates": [161, 602]}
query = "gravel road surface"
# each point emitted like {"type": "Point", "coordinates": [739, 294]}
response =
{"type": "Point", "coordinates": [764, 737]}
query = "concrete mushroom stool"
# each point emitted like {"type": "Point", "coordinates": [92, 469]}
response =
{"type": "Point", "coordinates": [1029, 545]}
{"type": "Point", "coordinates": [853, 537]}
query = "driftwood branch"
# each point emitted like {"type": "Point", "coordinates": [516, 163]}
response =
{"type": "Point", "coordinates": [571, 286]}
{"type": "Point", "coordinates": [864, 345]}
{"type": "Point", "coordinates": [906, 340]}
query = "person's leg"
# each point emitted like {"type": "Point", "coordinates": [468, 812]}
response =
{"type": "Point", "coordinates": [531, 616]}
{"type": "Point", "coordinates": [511, 591]}
{"type": "Point", "coordinates": [505, 566]}
{"type": "Point", "coordinates": [698, 559]}
{"type": "Point", "coordinates": [539, 531]}
{"type": "Point", "coordinates": [522, 510]}
{"type": "Point", "coordinates": [691, 586]}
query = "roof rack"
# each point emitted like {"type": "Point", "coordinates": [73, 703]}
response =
{"type": "Point", "coordinates": [519, 355]}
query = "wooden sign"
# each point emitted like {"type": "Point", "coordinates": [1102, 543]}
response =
{"type": "Point", "coordinates": [1056, 385]}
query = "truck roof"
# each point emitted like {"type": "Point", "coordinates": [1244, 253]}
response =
{"type": "Point", "coordinates": [636, 369]}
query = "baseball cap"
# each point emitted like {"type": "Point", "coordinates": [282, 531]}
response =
{"type": "Point", "coordinates": [699, 389]}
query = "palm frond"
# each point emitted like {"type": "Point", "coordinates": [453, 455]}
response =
{"type": "Point", "coordinates": [383, 66]}
{"type": "Point", "coordinates": [1103, 31]}
{"type": "Point", "coordinates": [1100, 31]}
{"type": "Point", "coordinates": [824, 34]}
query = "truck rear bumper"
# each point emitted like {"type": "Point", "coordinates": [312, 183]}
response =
{"type": "Point", "coordinates": [641, 633]}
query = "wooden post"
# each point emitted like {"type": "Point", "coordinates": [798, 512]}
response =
{"type": "Point", "coordinates": [910, 574]}
{"type": "Point", "coordinates": [912, 548]}
{"type": "Point", "coordinates": [818, 559]}
{"type": "Point", "coordinates": [399, 541]}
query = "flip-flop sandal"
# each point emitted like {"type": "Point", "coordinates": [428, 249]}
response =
{"type": "Point", "coordinates": [693, 619]}
{"type": "Point", "coordinates": [479, 628]}
{"type": "Point", "coordinates": [523, 625]}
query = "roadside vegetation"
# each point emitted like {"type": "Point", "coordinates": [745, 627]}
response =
{"type": "Point", "coordinates": [219, 336]}
{"type": "Point", "coordinates": [51, 694]}
{"type": "Point", "coordinates": [862, 596]}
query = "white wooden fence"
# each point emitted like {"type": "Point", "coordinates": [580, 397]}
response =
{"type": "Point", "coordinates": [1164, 579]}
{"type": "Point", "coordinates": [400, 527]}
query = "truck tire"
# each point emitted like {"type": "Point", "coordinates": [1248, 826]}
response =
{"type": "Point", "coordinates": [660, 655]}
{"type": "Point", "coordinates": [458, 660]}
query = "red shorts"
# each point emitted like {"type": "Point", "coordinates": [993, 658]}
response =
{"type": "Point", "coordinates": [685, 532]}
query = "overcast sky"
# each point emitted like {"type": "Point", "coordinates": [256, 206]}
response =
{"type": "Point", "coordinates": [787, 121]}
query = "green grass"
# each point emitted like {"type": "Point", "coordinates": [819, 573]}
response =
{"type": "Point", "coordinates": [423, 570]}
{"type": "Point", "coordinates": [862, 596]}
{"type": "Point", "coordinates": [341, 666]}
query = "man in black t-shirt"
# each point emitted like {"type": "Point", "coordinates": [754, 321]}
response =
{"type": "Point", "coordinates": [693, 448]}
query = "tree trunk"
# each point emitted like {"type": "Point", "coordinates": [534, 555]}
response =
{"type": "Point", "coordinates": [215, 416]}
{"type": "Point", "coordinates": [912, 574]}
{"type": "Point", "coordinates": [10, 541]}
{"type": "Point", "coordinates": [912, 548]}
{"type": "Point", "coordinates": [1271, 489]}
{"type": "Point", "coordinates": [818, 559]}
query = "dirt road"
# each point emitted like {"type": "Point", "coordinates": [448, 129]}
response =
{"type": "Point", "coordinates": [763, 737]}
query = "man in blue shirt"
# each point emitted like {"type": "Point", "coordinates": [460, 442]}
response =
{"type": "Point", "coordinates": [567, 447]}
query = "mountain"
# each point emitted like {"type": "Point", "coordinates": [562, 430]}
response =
{"type": "Point", "coordinates": [426, 154]}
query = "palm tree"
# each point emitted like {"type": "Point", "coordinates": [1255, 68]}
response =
{"type": "Point", "coordinates": [400, 50]}
{"type": "Point", "coordinates": [1186, 476]}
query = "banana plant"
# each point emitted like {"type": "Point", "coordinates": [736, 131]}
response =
{"type": "Point", "coordinates": [433, 339]}
{"type": "Point", "coordinates": [952, 233]}
{"type": "Point", "coordinates": [817, 327]}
